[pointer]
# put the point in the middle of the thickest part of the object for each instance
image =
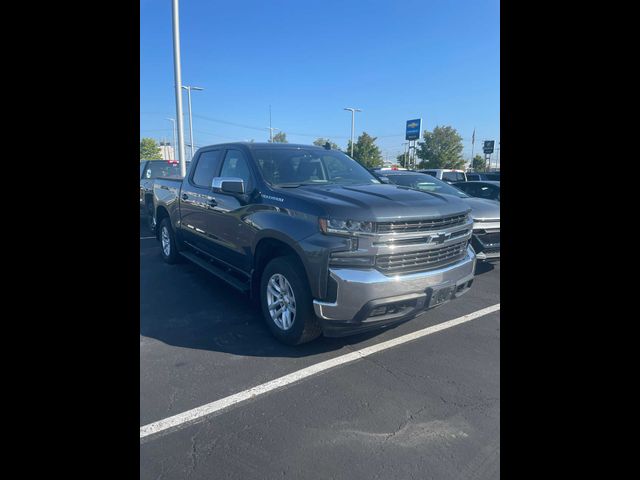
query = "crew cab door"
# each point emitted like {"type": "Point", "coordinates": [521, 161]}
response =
{"type": "Point", "coordinates": [196, 199]}
{"type": "Point", "coordinates": [232, 236]}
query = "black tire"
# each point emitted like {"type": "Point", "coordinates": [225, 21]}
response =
{"type": "Point", "coordinates": [173, 255]}
{"type": "Point", "coordinates": [306, 326]}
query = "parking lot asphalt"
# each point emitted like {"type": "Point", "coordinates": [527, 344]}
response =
{"type": "Point", "coordinates": [429, 408]}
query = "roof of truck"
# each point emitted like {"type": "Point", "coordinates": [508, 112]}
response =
{"type": "Point", "coordinates": [265, 145]}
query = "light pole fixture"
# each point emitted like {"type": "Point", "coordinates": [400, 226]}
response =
{"type": "Point", "coordinates": [353, 123]}
{"type": "Point", "coordinates": [173, 120]}
{"type": "Point", "coordinates": [177, 72]}
{"type": "Point", "coordinates": [188, 88]}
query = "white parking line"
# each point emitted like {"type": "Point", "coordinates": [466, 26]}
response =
{"type": "Point", "coordinates": [146, 238]}
{"type": "Point", "coordinates": [197, 414]}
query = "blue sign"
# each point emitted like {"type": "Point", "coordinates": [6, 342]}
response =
{"type": "Point", "coordinates": [413, 129]}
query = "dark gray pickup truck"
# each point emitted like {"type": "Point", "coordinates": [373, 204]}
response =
{"type": "Point", "coordinates": [323, 245]}
{"type": "Point", "coordinates": [149, 171]}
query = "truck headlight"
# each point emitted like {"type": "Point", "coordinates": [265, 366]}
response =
{"type": "Point", "coordinates": [345, 227]}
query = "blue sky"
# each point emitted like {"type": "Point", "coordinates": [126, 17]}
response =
{"type": "Point", "coordinates": [395, 60]}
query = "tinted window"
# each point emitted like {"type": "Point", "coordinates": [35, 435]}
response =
{"type": "Point", "coordinates": [162, 168]}
{"type": "Point", "coordinates": [470, 188]}
{"type": "Point", "coordinates": [493, 176]}
{"type": "Point", "coordinates": [486, 191]}
{"type": "Point", "coordinates": [206, 168]}
{"type": "Point", "coordinates": [429, 172]}
{"type": "Point", "coordinates": [473, 176]}
{"type": "Point", "coordinates": [453, 176]}
{"type": "Point", "coordinates": [235, 165]}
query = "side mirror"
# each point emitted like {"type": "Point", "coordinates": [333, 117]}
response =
{"type": "Point", "coordinates": [228, 184]}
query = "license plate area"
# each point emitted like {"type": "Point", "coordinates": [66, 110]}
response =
{"type": "Point", "coordinates": [441, 295]}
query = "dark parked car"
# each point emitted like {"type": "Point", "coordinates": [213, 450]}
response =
{"type": "Point", "coordinates": [492, 176]}
{"type": "Point", "coordinates": [149, 171]}
{"type": "Point", "coordinates": [481, 189]}
{"type": "Point", "coordinates": [486, 213]}
{"type": "Point", "coordinates": [317, 240]}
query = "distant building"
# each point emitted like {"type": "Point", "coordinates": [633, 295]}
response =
{"type": "Point", "coordinates": [167, 151]}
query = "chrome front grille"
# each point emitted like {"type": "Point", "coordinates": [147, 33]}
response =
{"type": "Point", "coordinates": [422, 260]}
{"type": "Point", "coordinates": [412, 226]}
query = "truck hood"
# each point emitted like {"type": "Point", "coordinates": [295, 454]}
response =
{"type": "Point", "coordinates": [483, 208]}
{"type": "Point", "coordinates": [376, 202]}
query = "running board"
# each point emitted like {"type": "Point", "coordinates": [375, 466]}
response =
{"type": "Point", "coordinates": [217, 271]}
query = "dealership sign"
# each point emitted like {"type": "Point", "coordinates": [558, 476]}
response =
{"type": "Point", "coordinates": [488, 146]}
{"type": "Point", "coordinates": [413, 129]}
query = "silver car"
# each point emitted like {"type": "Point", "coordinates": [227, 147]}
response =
{"type": "Point", "coordinates": [486, 213]}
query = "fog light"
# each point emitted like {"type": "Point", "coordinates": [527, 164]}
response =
{"type": "Point", "coordinates": [378, 311]}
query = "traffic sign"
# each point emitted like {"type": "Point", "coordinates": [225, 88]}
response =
{"type": "Point", "coordinates": [413, 129]}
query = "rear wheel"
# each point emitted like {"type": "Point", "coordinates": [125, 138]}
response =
{"type": "Point", "coordinates": [286, 302]}
{"type": "Point", "coordinates": [168, 250]}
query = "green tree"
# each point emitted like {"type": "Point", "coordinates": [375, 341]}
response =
{"type": "Point", "coordinates": [400, 159]}
{"type": "Point", "coordinates": [478, 163]}
{"type": "Point", "coordinates": [441, 148]}
{"type": "Point", "coordinates": [149, 149]}
{"type": "Point", "coordinates": [322, 141]}
{"type": "Point", "coordinates": [365, 151]}
{"type": "Point", "coordinates": [280, 137]}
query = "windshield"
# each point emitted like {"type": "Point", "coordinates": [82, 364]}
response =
{"type": "Point", "coordinates": [422, 181]}
{"type": "Point", "coordinates": [292, 167]}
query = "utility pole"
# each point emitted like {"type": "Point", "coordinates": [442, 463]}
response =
{"type": "Point", "coordinates": [270, 129]}
{"type": "Point", "coordinates": [177, 72]}
{"type": "Point", "coordinates": [353, 123]}
{"type": "Point", "coordinates": [473, 141]}
{"type": "Point", "coordinates": [405, 153]}
{"type": "Point", "coordinates": [175, 149]}
{"type": "Point", "coordinates": [188, 88]}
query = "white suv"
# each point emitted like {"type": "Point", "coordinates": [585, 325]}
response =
{"type": "Point", "coordinates": [446, 174]}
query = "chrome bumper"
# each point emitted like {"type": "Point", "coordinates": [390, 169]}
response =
{"type": "Point", "coordinates": [359, 291]}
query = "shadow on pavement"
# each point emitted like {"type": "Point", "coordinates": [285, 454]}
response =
{"type": "Point", "coordinates": [484, 267]}
{"type": "Point", "coordinates": [184, 306]}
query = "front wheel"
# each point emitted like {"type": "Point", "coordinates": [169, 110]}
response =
{"type": "Point", "coordinates": [286, 302]}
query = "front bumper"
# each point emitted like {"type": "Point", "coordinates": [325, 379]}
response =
{"type": "Point", "coordinates": [486, 240]}
{"type": "Point", "coordinates": [361, 296]}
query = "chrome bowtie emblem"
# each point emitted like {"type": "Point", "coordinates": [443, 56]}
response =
{"type": "Point", "coordinates": [439, 238]}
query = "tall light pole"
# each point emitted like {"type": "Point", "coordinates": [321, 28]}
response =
{"type": "Point", "coordinates": [353, 124]}
{"type": "Point", "coordinates": [188, 88]}
{"type": "Point", "coordinates": [173, 120]}
{"type": "Point", "coordinates": [177, 69]}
